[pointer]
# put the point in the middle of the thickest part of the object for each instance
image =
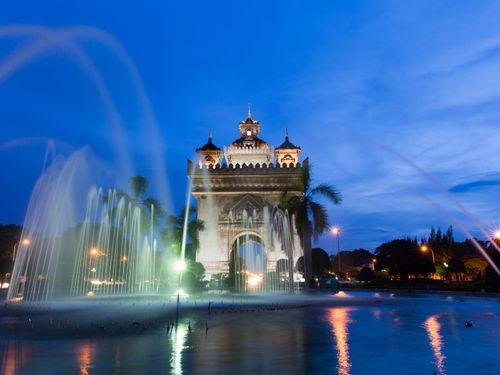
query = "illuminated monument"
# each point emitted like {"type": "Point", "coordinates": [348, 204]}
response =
{"type": "Point", "coordinates": [237, 189]}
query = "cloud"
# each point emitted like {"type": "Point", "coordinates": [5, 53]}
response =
{"type": "Point", "coordinates": [474, 186]}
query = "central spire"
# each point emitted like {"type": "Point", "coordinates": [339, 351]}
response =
{"type": "Point", "coordinates": [249, 113]}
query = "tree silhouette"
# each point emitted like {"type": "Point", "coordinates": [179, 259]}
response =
{"type": "Point", "coordinates": [310, 217]}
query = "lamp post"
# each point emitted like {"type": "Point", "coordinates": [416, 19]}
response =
{"type": "Point", "coordinates": [425, 248]}
{"type": "Point", "coordinates": [25, 242]}
{"type": "Point", "coordinates": [336, 232]}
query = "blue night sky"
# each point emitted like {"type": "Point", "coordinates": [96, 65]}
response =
{"type": "Point", "coordinates": [366, 88]}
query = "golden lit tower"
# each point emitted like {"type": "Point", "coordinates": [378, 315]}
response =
{"type": "Point", "coordinates": [287, 154]}
{"type": "Point", "coordinates": [209, 154]}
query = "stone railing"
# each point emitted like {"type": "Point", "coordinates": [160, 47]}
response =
{"type": "Point", "coordinates": [222, 168]}
{"type": "Point", "coordinates": [233, 150]}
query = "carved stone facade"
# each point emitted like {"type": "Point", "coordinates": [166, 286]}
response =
{"type": "Point", "coordinates": [237, 197]}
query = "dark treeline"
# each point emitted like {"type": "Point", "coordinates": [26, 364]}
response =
{"type": "Point", "coordinates": [9, 239]}
{"type": "Point", "coordinates": [436, 256]}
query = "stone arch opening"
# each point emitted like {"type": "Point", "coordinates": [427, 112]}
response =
{"type": "Point", "coordinates": [248, 260]}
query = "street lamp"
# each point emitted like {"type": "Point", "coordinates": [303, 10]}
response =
{"type": "Point", "coordinates": [336, 232]}
{"type": "Point", "coordinates": [25, 242]}
{"type": "Point", "coordinates": [180, 265]}
{"type": "Point", "coordinates": [496, 234]}
{"type": "Point", "coordinates": [94, 251]}
{"type": "Point", "coordinates": [425, 248]}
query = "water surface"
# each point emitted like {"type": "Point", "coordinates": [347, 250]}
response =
{"type": "Point", "coordinates": [417, 335]}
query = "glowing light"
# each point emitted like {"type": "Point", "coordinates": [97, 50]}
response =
{"type": "Point", "coordinates": [424, 248]}
{"type": "Point", "coordinates": [254, 280]}
{"type": "Point", "coordinates": [341, 294]}
{"type": "Point", "coordinates": [339, 319]}
{"type": "Point", "coordinates": [433, 328]}
{"type": "Point", "coordinates": [26, 242]}
{"type": "Point", "coordinates": [5, 285]}
{"type": "Point", "coordinates": [94, 251]}
{"type": "Point", "coordinates": [85, 352]}
{"type": "Point", "coordinates": [178, 340]}
{"type": "Point", "coordinates": [496, 234]}
{"type": "Point", "coordinates": [180, 265]}
{"type": "Point", "coordinates": [181, 292]}
{"type": "Point", "coordinates": [93, 270]}
{"type": "Point", "coordinates": [124, 258]}
{"type": "Point", "coordinates": [445, 264]}
{"type": "Point", "coordinates": [90, 294]}
{"type": "Point", "coordinates": [96, 282]}
{"type": "Point", "coordinates": [336, 231]}
{"type": "Point", "coordinates": [374, 260]}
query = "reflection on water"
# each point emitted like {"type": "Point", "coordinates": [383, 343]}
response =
{"type": "Point", "coordinates": [178, 339]}
{"type": "Point", "coordinates": [14, 353]}
{"type": "Point", "coordinates": [433, 328]}
{"type": "Point", "coordinates": [339, 319]}
{"type": "Point", "coordinates": [376, 339]}
{"type": "Point", "coordinates": [85, 352]}
{"type": "Point", "coordinates": [341, 294]}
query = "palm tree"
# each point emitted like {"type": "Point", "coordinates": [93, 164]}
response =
{"type": "Point", "coordinates": [310, 217]}
{"type": "Point", "coordinates": [139, 185]}
{"type": "Point", "coordinates": [172, 233]}
{"type": "Point", "coordinates": [149, 207]}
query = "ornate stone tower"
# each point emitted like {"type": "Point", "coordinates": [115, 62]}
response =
{"type": "Point", "coordinates": [210, 154]}
{"type": "Point", "coordinates": [287, 154]}
{"type": "Point", "coordinates": [236, 199]}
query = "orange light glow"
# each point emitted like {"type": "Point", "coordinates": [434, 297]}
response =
{"type": "Point", "coordinates": [124, 258]}
{"type": "Point", "coordinates": [85, 353]}
{"type": "Point", "coordinates": [496, 234]}
{"type": "Point", "coordinates": [254, 280]}
{"type": "Point", "coordinates": [95, 252]}
{"type": "Point", "coordinates": [26, 242]}
{"type": "Point", "coordinates": [424, 248]}
{"type": "Point", "coordinates": [336, 231]}
{"type": "Point", "coordinates": [433, 328]}
{"type": "Point", "coordinates": [339, 319]}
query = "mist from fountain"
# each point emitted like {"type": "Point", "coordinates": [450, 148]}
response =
{"type": "Point", "coordinates": [264, 264]}
{"type": "Point", "coordinates": [78, 241]}
{"type": "Point", "coordinates": [116, 248]}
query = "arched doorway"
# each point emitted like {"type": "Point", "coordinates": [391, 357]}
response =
{"type": "Point", "coordinates": [248, 261]}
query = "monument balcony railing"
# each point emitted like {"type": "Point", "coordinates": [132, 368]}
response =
{"type": "Point", "coordinates": [250, 167]}
{"type": "Point", "coordinates": [248, 151]}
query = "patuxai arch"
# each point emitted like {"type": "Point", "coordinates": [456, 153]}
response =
{"type": "Point", "coordinates": [237, 189]}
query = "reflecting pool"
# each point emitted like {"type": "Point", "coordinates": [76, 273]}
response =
{"type": "Point", "coordinates": [402, 334]}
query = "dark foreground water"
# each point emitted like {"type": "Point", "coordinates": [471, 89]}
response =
{"type": "Point", "coordinates": [413, 335]}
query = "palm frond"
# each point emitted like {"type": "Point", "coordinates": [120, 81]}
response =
{"type": "Point", "coordinates": [305, 177]}
{"type": "Point", "coordinates": [320, 218]}
{"type": "Point", "coordinates": [299, 213]}
{"type": "Point", "coordinates": [328, 191]}
{"type": "Point", "coordinates": [155, 205]}
{"type": "Point", "coordinates": [139, 184]}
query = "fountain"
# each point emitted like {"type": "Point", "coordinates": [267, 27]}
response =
{"type": "Point", "coordinates": [107, 246]}
{"type": "Point", "coordinates": [80, 242]}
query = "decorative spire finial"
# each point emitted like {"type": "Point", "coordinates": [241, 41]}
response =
{"type": "Point", "coordinates": [286, 133]}
{"type": "Point", "coordinates": [210, 135]}
{"type": "Point", "coordinates": [249, 114]}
